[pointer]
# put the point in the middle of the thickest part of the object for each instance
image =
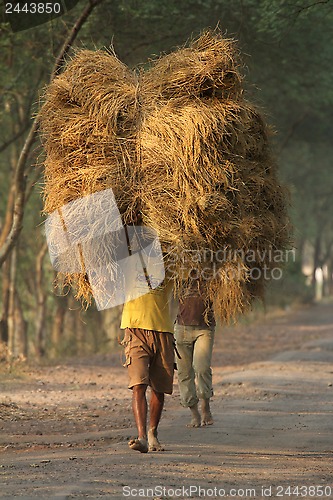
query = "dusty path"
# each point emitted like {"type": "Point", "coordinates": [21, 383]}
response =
{"type": "Point", "coordinates": [64, 428]}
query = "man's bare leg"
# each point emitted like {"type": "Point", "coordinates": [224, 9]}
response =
{"type": "Point", "coordinates": [207, 418]}
{"type": "Point", "coordinates": [156, 407]}
{"type": "Point", "coordinates": [196, 418]}
{"type": "Point", "coordinates": [139, 406]}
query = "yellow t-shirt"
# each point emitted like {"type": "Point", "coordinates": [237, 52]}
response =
{"type": "Point", "coordinates": [150, 311]}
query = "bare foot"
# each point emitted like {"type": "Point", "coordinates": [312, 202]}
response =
{"type": "Point", "coordinates": [139, 444]}
{"type": "Point", "coordinates": [153, 442]}
{"type": "Point", "coordinates": [207, 418]}
{"type": "Point", "coordinates": [196, 418]}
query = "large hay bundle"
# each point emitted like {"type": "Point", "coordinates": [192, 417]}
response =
{"type": "Point", "coordinates": [182, 150]}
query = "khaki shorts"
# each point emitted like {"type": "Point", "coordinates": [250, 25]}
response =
{"type": "Point", "coordinates": [149, 358]}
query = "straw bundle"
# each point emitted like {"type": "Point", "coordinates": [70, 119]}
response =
{"type": "Point", "coordinates": [89, 127]}
{"type": "Point", "coordinates": [88, 124]}
{"type": "Point", "coordinates": [183, 152]}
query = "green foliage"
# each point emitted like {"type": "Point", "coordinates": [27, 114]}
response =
{"type": "Point", "coordinates": [291, 59]}
{"type": "Point", "coordinates": [291, 289]}
{"type": "Point", "coordinates": [310, 177]}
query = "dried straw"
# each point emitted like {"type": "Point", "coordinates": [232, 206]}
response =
{"type": "Point", "coordinates": [183, 150]}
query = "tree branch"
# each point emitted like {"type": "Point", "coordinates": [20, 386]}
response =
{"type": "Point", "coordinates": [292, 130]}
{"type": "Point", "coordinates": [72, 35]}
{"type": "Point", "coordinates": [309, 6]}
{"type": "Point", "coordinates": [6, 144]}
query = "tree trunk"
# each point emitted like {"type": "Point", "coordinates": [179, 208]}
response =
{"type": "Point", "coordinates": [80, 333]}
{"type": "Point", "coordinates": [5, 302]}
{"type": "Point", "coordinates": [8, 216]}
{"type": "Point", "coordinates": [70, 325]}
{"type": "Point", "coordinates": [111, 324]}
{"type": "Point", "coordinates": [21, 329]}
{"type": "Point", "coordinates": [330, 276]}
{"type": "Point", "coordinates": [17, 326]}
{"type": "Point", "coordinates": [58, 324]}
{"type": "Point", "coordinates": [316, 259]}
{"type": "Point", "coordinates": [6, 267]}
{"type": "Point", "coordinates": [41, 303]}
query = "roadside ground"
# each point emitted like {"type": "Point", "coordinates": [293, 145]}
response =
{"type": "Point", "coordinates": [64, 428]}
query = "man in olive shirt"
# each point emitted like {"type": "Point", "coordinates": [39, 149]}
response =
{"type": "Point", "coordinates": [194, 333]}
{"type": "Point", "coordinates": [149, 351]}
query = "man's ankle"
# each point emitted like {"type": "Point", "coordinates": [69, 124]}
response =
{"type": "Point", "coordinates": [205, 405]}
{"type": "Point", "coordinates": [196, 418]}
{"type": "Point", "coordinates": [207, 418]}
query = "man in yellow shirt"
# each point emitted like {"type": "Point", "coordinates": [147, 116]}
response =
{"type": "Point", "coordinates": [149, 351]}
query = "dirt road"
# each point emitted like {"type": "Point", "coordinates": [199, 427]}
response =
{"type": "Point", "coordinates": [64, 429]}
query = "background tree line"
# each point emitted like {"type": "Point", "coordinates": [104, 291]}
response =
{"type": "Point", "coordinates": [287, 52]}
